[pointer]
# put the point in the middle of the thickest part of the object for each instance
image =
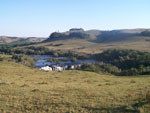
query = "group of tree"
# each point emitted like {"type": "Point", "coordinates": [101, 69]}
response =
{"type": "Point", "coordinates": [19, 58]}
{"type": "Point", "coordinates": [69, 35]}
{"type": "Point", "coordinates": [100, 68]}
{"type": "Point", "coordinates": [145, 33]}
{"type": "Point", "coordinates": [23, 59]}
{"type": "Point", "coordinates": [17, 44]}
{"type": "Point", "coordinates": [130, 62]}
{"type": "Point", "coordinates": [32, 50]}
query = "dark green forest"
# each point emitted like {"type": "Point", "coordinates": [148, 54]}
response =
{"type": "Point", "coordinates": [130, 62]}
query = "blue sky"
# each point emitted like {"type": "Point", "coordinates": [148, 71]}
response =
{"type": "Point", "coordinates": [41, 17]}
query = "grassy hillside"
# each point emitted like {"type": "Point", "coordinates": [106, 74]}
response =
{"type": "Point", "coordinates": [95, 41]}
{"type": "Point", "coordinates": [23, 89]}
{"type": "Point", "coordinates": [6, 39]}
{"type": "Point", "coordinates": [91, 41]}
{"type": "Point", "coordinates": [13, 40]}
{"type": "Point", "coordinates": [86, 46]}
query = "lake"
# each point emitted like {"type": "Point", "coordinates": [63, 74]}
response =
{"type": "Point", "coordinates": [42, 60]}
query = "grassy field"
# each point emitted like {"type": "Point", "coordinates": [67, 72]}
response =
{"type": "Point", "coordinates": [80, 45]}
{"type": "Point", "coordinates": [23, 89]}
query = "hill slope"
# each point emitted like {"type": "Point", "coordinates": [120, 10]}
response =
{"type": "Point", "coordinates": [91, 41]}
{"type": "Point", "coordinates": [99, 36]}
{"type": "Point", "coordinates": [95, 41]}
{"type": "Point", "coordinates": [29, 90]}
{"type": "Point", "coordinates": [7, 39]}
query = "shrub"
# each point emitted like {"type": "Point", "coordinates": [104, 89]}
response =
{"type": "Point", "coordinates": [101, 67]}
{"type": "Point", "coordinates": [131, 62]}
{"type": "Point", "coordinates": [1, 59]}
{"type": "Point", "coordinates": [26, 60]}
{"type": "Point", "coordinates": [73, 59]}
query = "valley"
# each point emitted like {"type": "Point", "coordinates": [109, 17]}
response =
{"type": "Point", "coordinates": [74, 56]}
{"type": "Point", "coordinates": [87, 71]}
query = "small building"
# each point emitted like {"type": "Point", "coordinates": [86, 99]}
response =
{"type": "Point", "coordinates": [46, 68]}
{"type": "Point", "coordinates": [57, 68]}
{"type": "Point", "coordinates": [60, 68]}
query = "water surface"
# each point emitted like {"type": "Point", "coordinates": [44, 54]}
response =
{"type": "Point", "coordinates": [42, 60]}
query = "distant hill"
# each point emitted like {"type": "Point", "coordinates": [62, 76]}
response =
{"type": "Point", "coordinates": [99, 36]}
{"type": "Point", "coordinates": [88, 41]}
{"type": "Point", "coordinates": [7, 39]}
{"type": "Point", "coordinates": [95, 41]}
{"type": "Point", "coordinates": [72, 33]}
{"type": "Point", "coordinates": [34, 39]}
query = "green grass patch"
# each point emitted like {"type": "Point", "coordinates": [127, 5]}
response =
{"type": "Point", "coordinates": [23, 89]}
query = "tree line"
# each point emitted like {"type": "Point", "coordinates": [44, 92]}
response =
{"type": "Point", "coordinates": [130, 62]}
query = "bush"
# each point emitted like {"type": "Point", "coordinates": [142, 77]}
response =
{"type": "Point", "coordinates": [89, 67]}
{"type": "Point", "coordinates": [23, 59]}
{"type": "Point", "coordinates": [131, 62]}
{"type": "Point", "coordinates": [73, 59]}
{"type": "Point", "coordinates": [110, 68]}
{"type": "Point", "coordinates": [1, 58]}
{"type": "Point", "coordinates": [145, 33]}
{"type": "Point", "coordinates": [53, 60]}
{"type": "Point", "coordinates": [100, 67]}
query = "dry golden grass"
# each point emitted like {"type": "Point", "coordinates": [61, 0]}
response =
{"type": "Point", "coordinates": [86, 46]}
{"type": "Point", "coordinates": [23, 89]}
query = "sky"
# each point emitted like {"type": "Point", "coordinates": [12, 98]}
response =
{"type": "Point", "coordinates": [39, 18]}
